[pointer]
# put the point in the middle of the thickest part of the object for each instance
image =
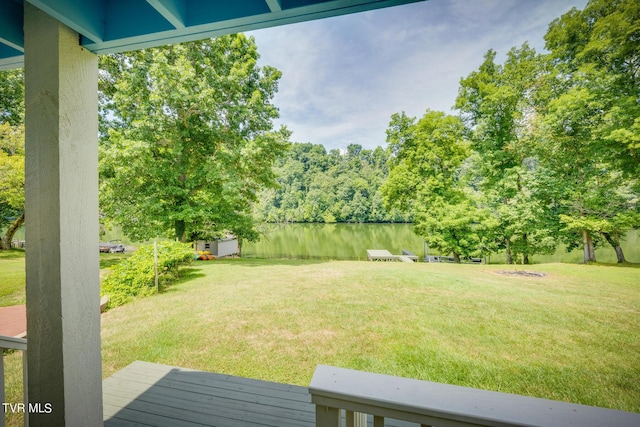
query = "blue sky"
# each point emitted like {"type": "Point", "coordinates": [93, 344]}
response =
{"type": "Point", "coordinates": [344, 77]}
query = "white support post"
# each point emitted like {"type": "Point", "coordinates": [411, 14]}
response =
{"type": "Point", "coordinates": [62, 261]}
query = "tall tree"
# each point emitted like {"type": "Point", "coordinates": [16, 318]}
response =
{"type": "Point", "coordinates": [11, 181]}
{"type": "Point", "coordinates": [498, 103]}
{"type": "Point", "coordinates": [11, 154]}
{"type": "Point", "coordinates": [589, 128]}
{"type": "Point", "coordinates": [188, 138]}
{"type": "Point", "coordinates": [425, 178]}
{"type": "Point", "coordinates": [599, 49]}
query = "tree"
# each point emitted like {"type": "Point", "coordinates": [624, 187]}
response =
{"type": "Point", "coordinates": [11, 181]}
{"type": "Point", "coordinates": [601, 45]}
{"type": "Point", "coordinates": [589, 127]}
{"type": "Point", "coordinates": [12, 97]}
{"type": "Point", "coordinates": [498, 104]}
{"type": "Point", "coordinates": [11, 154]}
{"type": "Point", "coordinates": [425, 179]}
{"type": "Point", "coordinates": [187, 138]}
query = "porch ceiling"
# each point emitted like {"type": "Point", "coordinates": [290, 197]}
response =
{"type": "Point", "coordinates": [108, 26]}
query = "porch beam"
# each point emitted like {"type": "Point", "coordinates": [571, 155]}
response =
{"type": "Point", "coordinates": [11, 33]}
{"type": "Point", "coordinates": [274, 5]}
{"type": "Point", "coordinates": [61, 191]}
{"type": "Point", "coordinates": [174, 11]}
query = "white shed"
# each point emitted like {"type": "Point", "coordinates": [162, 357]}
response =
{"type": "Point", "coordinates": [220, 247]}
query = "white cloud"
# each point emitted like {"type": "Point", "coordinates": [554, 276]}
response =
{"type": "Point", "coordinates": [343, 77]}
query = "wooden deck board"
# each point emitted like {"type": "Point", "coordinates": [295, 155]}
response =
{"type": "Point", "coordinates": [149, 394]}
{"type": "Point", "coordinates": [159, 395]}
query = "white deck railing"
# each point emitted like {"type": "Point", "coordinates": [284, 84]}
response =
{"type": "Point", "coordinates": [15, 344]}
{"type": "Point", "coordinates": [443, 405]}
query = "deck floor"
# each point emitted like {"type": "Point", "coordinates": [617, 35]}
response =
{"type": "Point", "coordinates": [149, 394]}
{"type": "Point", "coordinates": [158, 395]}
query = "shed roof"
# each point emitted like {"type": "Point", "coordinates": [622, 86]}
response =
{"type": "Point", "coordinates": [108, 26]}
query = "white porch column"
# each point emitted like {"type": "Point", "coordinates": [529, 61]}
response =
{"type": "Point", "coordinates": [63, 317]}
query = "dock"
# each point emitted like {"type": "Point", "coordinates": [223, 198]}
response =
{"type": "Point", "coordinates": [385, 255]}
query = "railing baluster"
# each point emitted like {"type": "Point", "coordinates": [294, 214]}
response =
{"type": "Point", "coordinates": [16, 344]}
{"type": "Point", "coordinates": [2, 387]}
{"type": "Point", "coordinates": [355, 419]}
{"type": "Point", "coordinates": [25, 389]}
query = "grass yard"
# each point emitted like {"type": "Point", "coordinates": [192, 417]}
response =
{"type": "Point", "coordinates": [12, 278]}
{"type": "Point", "coordinates": [571, 335]}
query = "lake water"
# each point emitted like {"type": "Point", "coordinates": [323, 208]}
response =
{"type": "Point", "coordinates": [333, 241]}
{"type": "Point", "coordinates": [351, 241]}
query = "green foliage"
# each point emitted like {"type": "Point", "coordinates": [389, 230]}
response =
{"type": "Point", "coordinates": [135, 276]}
{"type": "Point", "coordinates": [12, 166]}
{"type": "Point", "coordinates": [187, 138]}
{"type": "Point", "coordinates": [586, 133]}
{"type": "Point", "coordinates": [316, 186]}
{"type": "Point", "coordinates": [425, 178]}
{"type": "Point", "coordinates": [11, 181]}
{"type": "Point", "coordinates": [554, 136]}
{"type": "Point", "coordinates": [12, 97]}
{"type": "Point", "coordinates": [498, 103]}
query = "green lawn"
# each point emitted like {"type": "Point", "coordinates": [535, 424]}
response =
{"type": "Point", "coordinates": [571, 335]}
{"type": "Point", "coordinates": [12, 277]}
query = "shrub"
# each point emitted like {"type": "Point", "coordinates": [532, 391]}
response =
{"type": "Point", "coordinates": [135, 276]}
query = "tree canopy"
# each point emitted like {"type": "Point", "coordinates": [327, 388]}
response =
{"type": "Point", "coordinates": [188, 138]}
{"type": "Point", "coordinates": [425, 178]}
{"type": "Point", "coordinates": [554, 145]}
{"type": "Point", "coordinates": [11, 154]}
{"type": "Point", "coordinates": [319, 186]}
{"type": "Point", "coordinates": [11, 181]}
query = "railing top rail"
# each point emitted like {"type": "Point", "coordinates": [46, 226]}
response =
{"type": "Point", "coordinates": [455, 403]}
{"type": "Point", "coordinates": [13, 342]}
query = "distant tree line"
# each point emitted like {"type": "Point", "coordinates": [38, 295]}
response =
{"type": "Point", "coordinates": [336, 186]}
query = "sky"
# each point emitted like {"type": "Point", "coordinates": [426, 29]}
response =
{"type": "Point", "coordinates": [343, 77]}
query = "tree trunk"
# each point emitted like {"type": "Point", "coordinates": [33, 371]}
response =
{"type": "Point", "coordinates": [508, 251]}
{"type": "Point", "coordinates": [614, 241]}
{"type": "Point", "coordinates": [456, 257]}
{"type": "Point", "coordinates": [180, 229]}
{"type": "Point", "coordinates": [589, 251]}
{"type": "Point", "coordinates": [525, 255]}
{"type": "Point", "coordinates": [5, 243]}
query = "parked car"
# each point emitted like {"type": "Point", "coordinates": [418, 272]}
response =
{"type": "Point", "coordinates": [116, 248]}
{"type": "Point", "coordinates": [111, 247]}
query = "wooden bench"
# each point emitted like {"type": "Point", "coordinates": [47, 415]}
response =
{"type": "Point", "coordinates": [433, 404]}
